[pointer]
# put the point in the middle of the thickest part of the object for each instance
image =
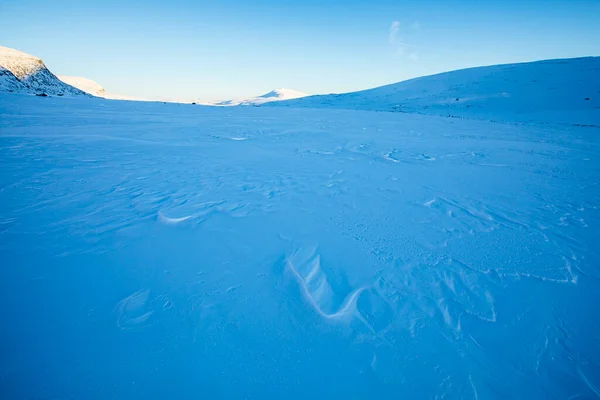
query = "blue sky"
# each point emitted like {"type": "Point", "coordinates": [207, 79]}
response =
{"type": "Point", "coordinates": [234, 48]}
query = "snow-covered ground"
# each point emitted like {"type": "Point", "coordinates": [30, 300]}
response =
{"type": "Point", "coordinates": [274, 95]}
{"type": "Point", "coordinates": [559, 91]}
{"type": "Point", "coordinates": [176, 251]}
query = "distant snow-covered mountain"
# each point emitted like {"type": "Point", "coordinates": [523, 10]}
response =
{"type": "Point", "coordinates": [565, 90]}
{"type": "Point", "coordinates": [87, 85]}
{"type": "Point", "coordinates": [95, 89]}
{"type": "Point", "coordinates": [274, 95]}
{"type": "Point", "coordinates": [31, 72]}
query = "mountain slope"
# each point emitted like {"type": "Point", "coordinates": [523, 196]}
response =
{"type": "Point", "coordinates": [33, 74]}
{"type": "Point", "coordinates": [10, 83]}
{"type": "Point", "coordinates": [87, 85]}
{"type": "Point", "coordinates": [274, 95]}
{"type": "Point", "coordinates": [554, 90]}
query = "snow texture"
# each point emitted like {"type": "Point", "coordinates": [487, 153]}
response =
{"type": "Point", "coordinates": [274, 95]}
{"type": "Point", "coordinates": [177, 251]}
{"type": "Point", "coordinates": [84, 84]}
{"type": "Point", "coordinates": [565, 91]}
{"type": "Point", "coordinates": [33, 74]}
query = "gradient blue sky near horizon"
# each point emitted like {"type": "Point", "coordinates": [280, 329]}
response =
{"type": "Point", "coordinates": [233, 48]}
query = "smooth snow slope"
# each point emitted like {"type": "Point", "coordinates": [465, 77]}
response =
{"type": "Point", "coordinates": [566, 91]}
{"type": "Point", "coordinates": [87, 85]}
{"type": "Point", "coordinates": [34, 75]}
{"type": "Point", "coordinates": [274, 95]}
{"type": "Point", "coordinates": [160, 251]}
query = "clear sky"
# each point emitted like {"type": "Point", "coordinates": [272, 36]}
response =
{"type": "Point", "coordinates": [218, 49]}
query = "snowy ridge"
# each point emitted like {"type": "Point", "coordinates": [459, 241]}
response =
{"type": "Point", "coordinates": [31, 72]}
{"type": "Point", "coordinates": [564, 90]}
{"type": "Point", "coordinates": [87, 85]}
{"type": "Point", "coordinates": [274, 95]}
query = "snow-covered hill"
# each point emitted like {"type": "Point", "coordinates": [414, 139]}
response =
{"type": "Point", "coordinates": [31, 72]}
{"type": "Point", "coordinates": [566, 90]}
{"type": "Point", "coordinates": [84, 84]}
{"type": "Point", "coordinates": [274, 95]}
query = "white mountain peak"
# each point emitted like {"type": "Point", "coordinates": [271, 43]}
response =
{"type": "Point", "coordinates": [20, 64]}
{"type": "Point", "coordinates": [274, 95]}
{"type": "Point", "coordinates": [283, 94]}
